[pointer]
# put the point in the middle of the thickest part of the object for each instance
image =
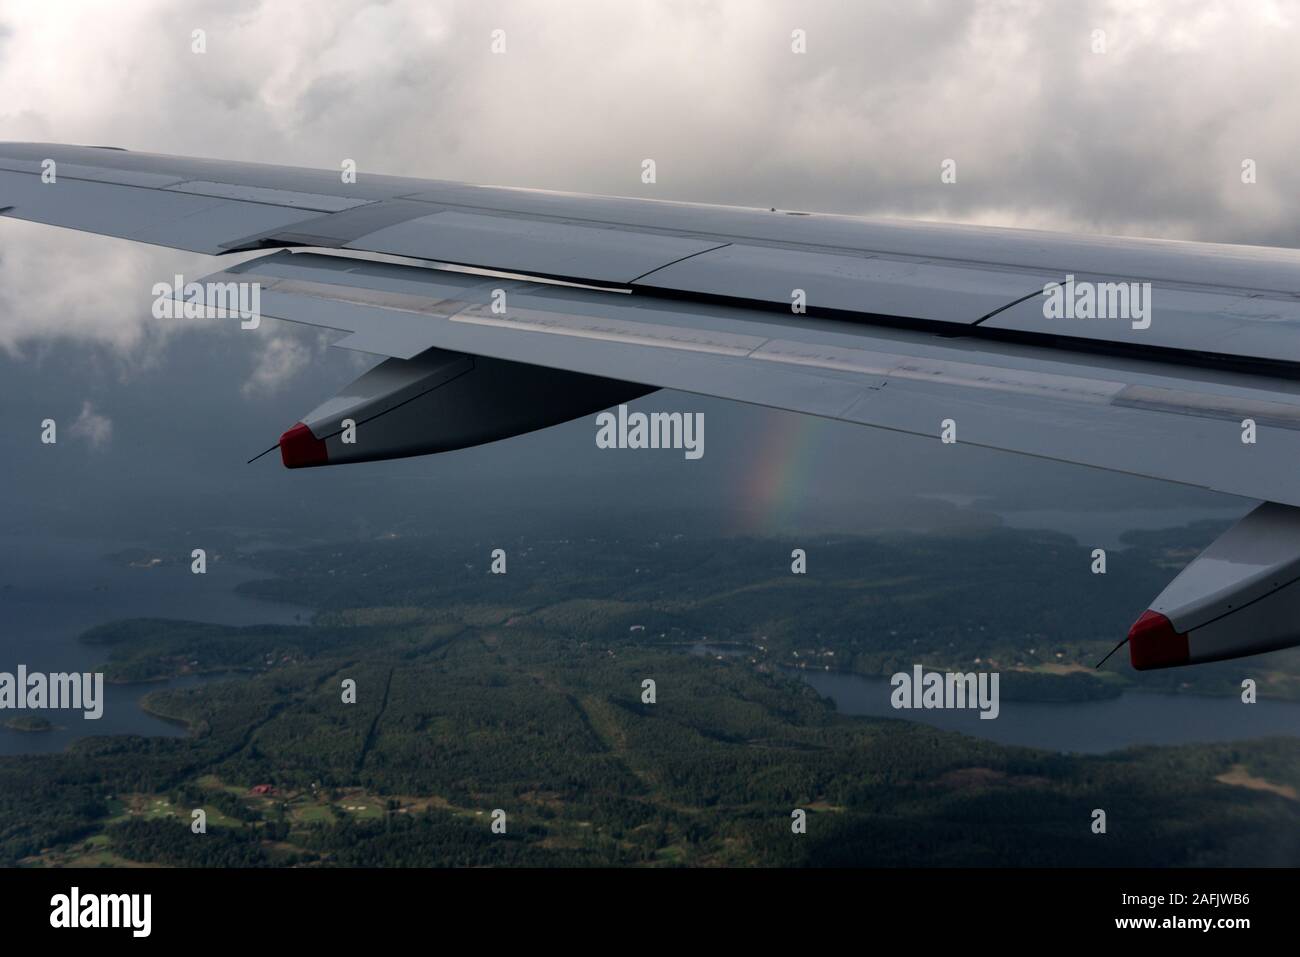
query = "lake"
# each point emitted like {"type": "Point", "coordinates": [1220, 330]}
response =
{"type": "Point", "coordinates": [1087, 727]}
{"type": "Point", "coordinates": [52, 591]}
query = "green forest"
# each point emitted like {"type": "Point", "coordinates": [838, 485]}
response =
{"type": "Point", "coordinates": [524, 693]}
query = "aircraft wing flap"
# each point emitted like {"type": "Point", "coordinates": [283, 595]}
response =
{"type": "Point", "coordinates": [867, 284]}
{"type": "Point", "coordinates": [162, 217]}
{"type": "Point", "coordinates": [294, 199]}
{"type": "Point", "coordinates": [1221, 321]}
{"type": "Point", "coordinates": [94, 174]}
{"type": "Point", "coordinates": [584, 253]}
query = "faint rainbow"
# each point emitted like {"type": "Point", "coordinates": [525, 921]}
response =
{"type": "Point", "coordinates": [778, 479]}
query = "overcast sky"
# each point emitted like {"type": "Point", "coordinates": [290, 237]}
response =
{"type": "Point", "coordinates": [1097, 116]}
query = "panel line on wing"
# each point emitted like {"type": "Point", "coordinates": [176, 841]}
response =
{"type": "Point", "coordinates": [698, 252]}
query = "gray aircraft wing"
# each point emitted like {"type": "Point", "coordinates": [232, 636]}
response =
{"type": "Point", "coordinates": [1154, 418]}
{"type": "Point", "coordinates": [1182, 367]}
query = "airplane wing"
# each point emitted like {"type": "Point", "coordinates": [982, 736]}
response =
{"type": "Point", "coordinates": [1164, 359]}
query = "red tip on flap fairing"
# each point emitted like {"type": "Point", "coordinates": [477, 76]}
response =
{"type": "Point", "coordinates": [300, 449]}
{"type": "Point", "coordinates": [1153, 643]}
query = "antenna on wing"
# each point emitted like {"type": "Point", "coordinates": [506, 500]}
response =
{"type": "Point", "coordinates": [1100, 663]}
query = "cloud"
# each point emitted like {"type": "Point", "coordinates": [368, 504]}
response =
{"type": "Point", "coordinates": [281, 358]}
{"type": "Point", "coordinates": [91, 427]}
{"type": "Point", "coordinates": [1146, 138]}
{"type": "Point", "coordinates": [58, 282]}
